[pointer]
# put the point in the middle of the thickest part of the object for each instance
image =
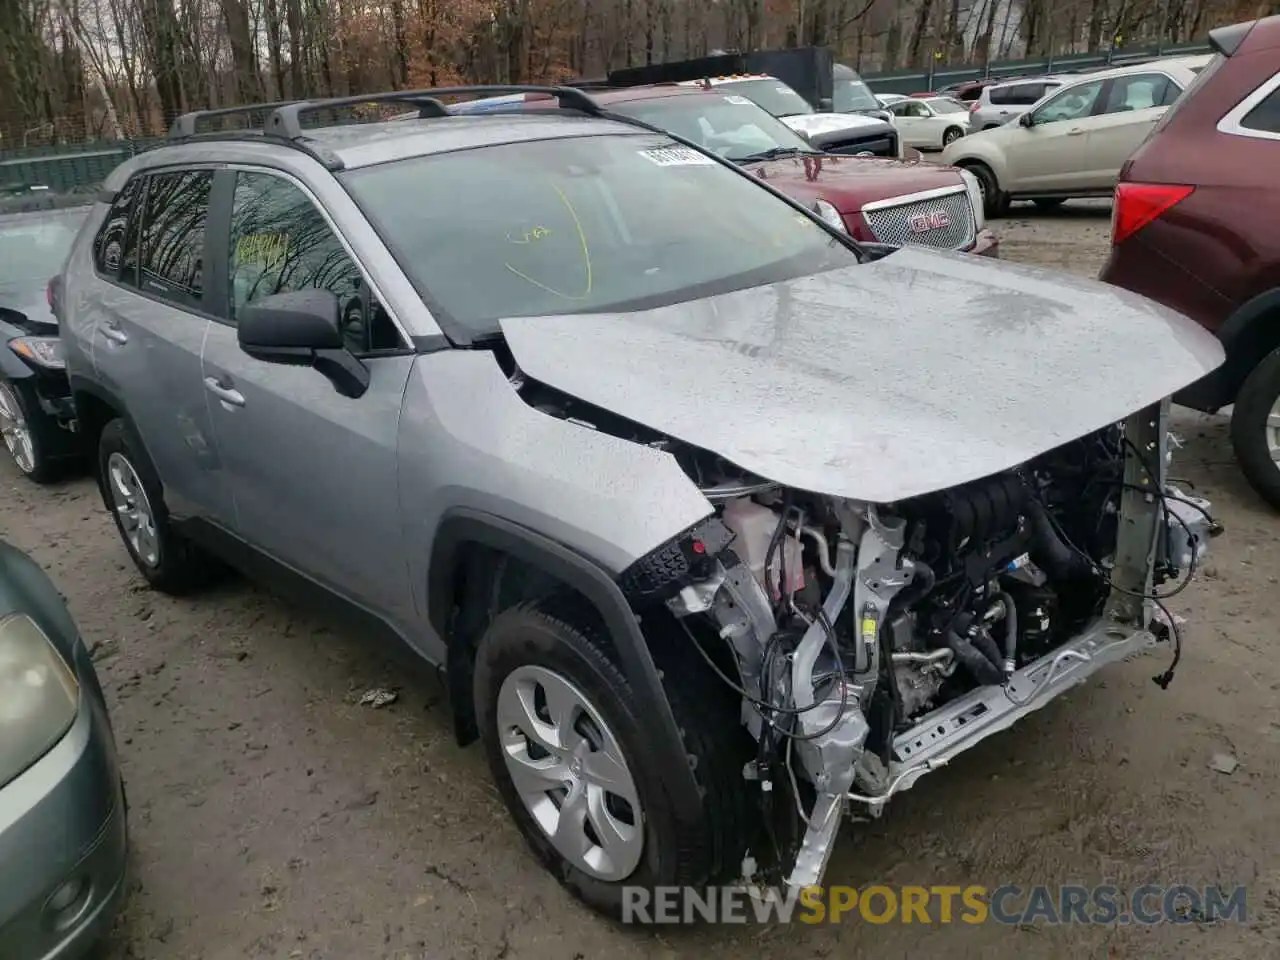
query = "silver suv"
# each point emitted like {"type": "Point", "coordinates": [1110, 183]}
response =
{"type": "Point", "coordinates": [718, 520]}
{"type": "Point", "coordinates": [1002, 102]}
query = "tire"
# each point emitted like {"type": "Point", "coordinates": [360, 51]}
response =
{"type": "Point", "coordinates": [950, 136]}
{"type": "Point", "coordinates": [1049, 203]}
{"type": "Point", "coordinates": [132, 492]}
{"type": "Point", "coordinates": [530, 645]}
{"type": "Point", "coordinates": [28, 434]}
{"type": "Point", "coordinates": [995, 202]}
{"type": "Point", "coordinates": [1252, 435]}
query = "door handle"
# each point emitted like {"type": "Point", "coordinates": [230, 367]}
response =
{"type": "Point", "coordinates": [111, 330]}
{"type": "Point", "coordinates": [224, 393]}
{"type": "Point", "coordinates": [1075, 132]}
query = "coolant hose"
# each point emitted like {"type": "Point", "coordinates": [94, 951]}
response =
{"type": "Point", "coordinates": [969, 656]}
{"type": "Point", "coordinates": [1049, 549]}
{"type": "Point", "coordinates": [1010, 632]}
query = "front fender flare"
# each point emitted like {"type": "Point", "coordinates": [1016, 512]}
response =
{"type": "Point", "coordinates": [462, 526]}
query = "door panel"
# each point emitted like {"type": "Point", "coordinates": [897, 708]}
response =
{"type": "Point", "coordinates": [1113, 138]}
{"type": "Point", "coordinates": [1051, 154]}
{"type": "Point", "coordinates": [147, 342]}
{"type": "Point", "coordinates": [313, 473]}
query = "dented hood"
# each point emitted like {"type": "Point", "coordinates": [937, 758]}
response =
{"type": "Point", "coordinates": [911, 374]}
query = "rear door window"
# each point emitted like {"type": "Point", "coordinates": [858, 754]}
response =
{"type": "Point", "coordinates": [171, 251]}
{"type": "Point", "coordinates": [1140, 92]}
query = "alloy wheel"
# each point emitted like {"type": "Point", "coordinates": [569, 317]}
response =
{"type": "Point", "coordinates": [570, 772]}
{"type": "Point", "coordinates": [133, 509]}
{"type": "Point", "coordinates": [15, 431]}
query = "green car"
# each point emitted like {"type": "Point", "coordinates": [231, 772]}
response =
{"type": "Point", "coordinates": [63, 835]}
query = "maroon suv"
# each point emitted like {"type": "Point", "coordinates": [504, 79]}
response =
{"type": "Point", "coordinates": [874, 199]}
{"type": "Point", "coordinates": [1194, 227]}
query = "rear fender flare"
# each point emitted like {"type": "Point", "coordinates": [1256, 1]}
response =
{"type": "Point", "coordinates": [464, 526]}
{"type": "Point", "coordinates": [1248, 335]}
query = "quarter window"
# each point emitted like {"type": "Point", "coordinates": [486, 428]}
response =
{"type": "Point", "coordinates": [1265, 117]}
{"type": "Point", "coordinates": [171, 252]}
{"type": "Point", "coordinates": [281, 243]}
{"type": "Point", "coordinates": [115, 248]}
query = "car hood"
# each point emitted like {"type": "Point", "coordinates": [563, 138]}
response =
{"type": "Point", "coordinates": [849, 182]}
{"type": "Point", "coordinates": [23, 305]}
{"type": "Point", "coordinates": [815, 123]}
{"type": "Point", "coordinates": [914, 373]}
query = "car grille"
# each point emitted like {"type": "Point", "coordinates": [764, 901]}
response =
{"type": "Point", "coordinates": [945, 222]}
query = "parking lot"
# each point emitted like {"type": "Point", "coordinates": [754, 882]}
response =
{"type": "Point", "coordinates": [272, 815]}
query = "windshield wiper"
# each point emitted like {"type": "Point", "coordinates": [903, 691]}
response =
{"type": "Point", "coordinates": [773, 153]}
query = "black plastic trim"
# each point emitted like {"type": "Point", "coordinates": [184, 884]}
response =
{"type": "Point", "coordinates": [460, 526]}
{"type": "Point", "coordinates": [1229, 39]}
{"type": "Point", "coordinates": [1246, 342]}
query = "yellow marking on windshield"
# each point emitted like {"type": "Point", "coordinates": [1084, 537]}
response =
{"type": "Point", "coordinates": [529, 235]}
{"type": "Point", "coordinates": [586, 255]}
{"type": "Point", "coordinates": [262, 249]}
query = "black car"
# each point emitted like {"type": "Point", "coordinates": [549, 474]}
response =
{"type": "Point", "coordinates": [37, 421]}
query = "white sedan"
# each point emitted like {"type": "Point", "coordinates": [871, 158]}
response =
{"type": "Point", "coordinates": [930, 123]}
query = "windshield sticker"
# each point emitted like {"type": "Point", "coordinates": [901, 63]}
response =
{"type": "Point", "coordinates": [528, 235]}
{"type": "Point", "coordinates": [676, 157]}
{"type": "Point", "coordinates": [737, 100]}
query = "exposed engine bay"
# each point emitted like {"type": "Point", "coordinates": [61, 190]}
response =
{"type": "Point", "coordinates": [852, 626]}
{"type": "Point", "coordinates": [872, 643]}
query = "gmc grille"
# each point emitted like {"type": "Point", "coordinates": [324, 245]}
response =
{"type": "Point", "coordinates": [945, 222]}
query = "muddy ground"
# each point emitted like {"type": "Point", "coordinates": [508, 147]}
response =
{"type": "Point", "coordinates": [274, 817]}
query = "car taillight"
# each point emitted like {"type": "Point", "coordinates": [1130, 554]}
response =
{"type": "Point", "coordinates": [1137, 204]}
{"type": "Point", "coordinates": [973, 107]}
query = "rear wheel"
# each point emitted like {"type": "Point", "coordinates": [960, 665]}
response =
{"type": "Point", "coordinates": [132, 492]}
{"type": "Point", "coordinates": [1255, 428]}
{"type": "Point", "coordinates": [951, 135]}
{"type": "Point", "coordinates": [25, 432]}
{"type": "Point", "coordinates": [570, 752]}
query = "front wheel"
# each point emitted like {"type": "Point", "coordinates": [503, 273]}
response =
{"type": "Point", "coordinates": [26, 433]}
{"type": "Point", "coordinates": [570, 752]}
{"type": "Point", "coordinates": [994, 200]}
{"type": "Point", "coordinates": [951, 135]}
{"type": "Point", "coordinates": [1255, 428]}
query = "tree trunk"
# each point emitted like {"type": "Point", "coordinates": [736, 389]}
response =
{"type": "Point", "coordinates": [244, 65]}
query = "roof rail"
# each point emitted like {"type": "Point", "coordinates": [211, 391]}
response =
{"type": "Point", "coordinates": [186, 125]}
{"type": "Point", "coordinates": [286, 119]}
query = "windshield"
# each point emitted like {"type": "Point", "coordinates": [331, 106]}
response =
{"type": "Point", "coordinates": [732, 126]}
{"type": "Point", "coordinates": [775, 96]}
{"type": "Point", "coordinates": [33, 247]}
{"type": "Point", "coordinates": [945, 105]}
{"type": "Point", "coordinates": [851, 96]}
{"type": "Point", "coordinates": [580, 225]}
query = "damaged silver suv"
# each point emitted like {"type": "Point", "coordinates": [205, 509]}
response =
{"type": "Point", "coordinates": [719, 521]}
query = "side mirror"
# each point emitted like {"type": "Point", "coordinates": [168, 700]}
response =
{"type": "Point", "coordinates": [825, 105]}
{"type": "Point", "coordinates": [302, 327]}
{"type": "Point", "coordinates": [805, 135]}
{"type": "Point", "coordinates": [1026, 120]}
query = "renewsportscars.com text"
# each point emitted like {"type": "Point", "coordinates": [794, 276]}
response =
{"type": "Point", "coordinates": [1006, 904]}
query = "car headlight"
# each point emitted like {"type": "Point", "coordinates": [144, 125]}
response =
{"type": "Point", "coordinates": [975, 199]}
{"type": "Point", "coordinates": [42, 351]}
{"type": "Point", "coordinates": [39, 695]}
{"type": "Point", "coordinates": [830, 214]}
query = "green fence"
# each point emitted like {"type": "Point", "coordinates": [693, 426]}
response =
{"type": "Point", "coordinates": [915, 80]}
{"type": "Point", "coordinates": [65, 167]}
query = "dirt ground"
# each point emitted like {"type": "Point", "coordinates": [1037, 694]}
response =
{"type": "Point", "coordinates": [273, 816]}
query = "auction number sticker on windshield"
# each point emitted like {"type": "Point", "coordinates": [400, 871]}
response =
{"type": "Point", "coordinates": [736, 100]}
{"type": "Point", "coordinates": [676, 157]}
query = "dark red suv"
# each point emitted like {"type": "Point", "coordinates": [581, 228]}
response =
{"type": "Point", "coordinates": [1194, 226]}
